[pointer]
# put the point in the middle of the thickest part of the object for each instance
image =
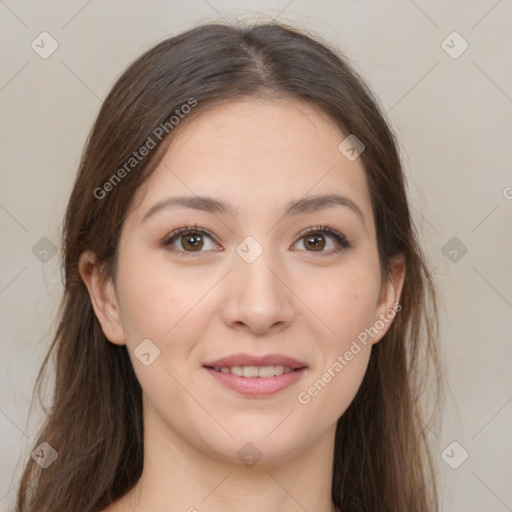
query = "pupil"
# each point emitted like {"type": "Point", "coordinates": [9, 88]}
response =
{"type": "Point", "coordinates": [313, 240]}
{"type": "Point", "coordinates": [196, 241]}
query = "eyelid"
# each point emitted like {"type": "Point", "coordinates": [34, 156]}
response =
{"type": "Point", "coordinates": [175, 235]}
{"type": "Point", "coordinates": [342, 242]}
{"type": "Point", "coordinates": [322, 228]}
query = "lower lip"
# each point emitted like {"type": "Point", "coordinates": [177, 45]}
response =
{"type": "Point", "coordinates": [257, 386]}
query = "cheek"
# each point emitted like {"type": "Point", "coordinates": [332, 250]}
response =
{"type": "Point", "coordinates": [171, 310]}
{"type": "Point", "coordinates": [347, 306]}
{"type": "Point", "coordinates": [152, 300]}
{"type": "Point", "coordinates": [146, 303]}
{"type": "Point", "coordinates": [328, 394]}
{"type": "Point", "coordinates": [345, 300]}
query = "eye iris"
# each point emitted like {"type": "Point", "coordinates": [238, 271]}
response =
{"type": "Point", "coordinates": [313, 240]}
{"type": "Point", "coordinates": [197, 242]}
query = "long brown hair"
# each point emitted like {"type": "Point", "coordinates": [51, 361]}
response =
{"type": "Point", "coordinates": [382, 458]}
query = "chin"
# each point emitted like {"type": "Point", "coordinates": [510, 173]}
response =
{"type": "Point", "coordinates": [257, 447]}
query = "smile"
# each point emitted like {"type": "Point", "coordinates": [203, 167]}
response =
{"type": "Point", "coordinates": [256, 381]}
{"type": "Point", "coordinates": [256, 371]}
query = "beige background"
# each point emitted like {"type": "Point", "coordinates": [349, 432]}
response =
{"type": "Point", "coordinates": [453, 119]}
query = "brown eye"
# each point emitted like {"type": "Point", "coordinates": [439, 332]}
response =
{"type": "Point", "coordinates": [315, 242]}
{"type": "Point", "coordinates": [188, 240]}
{"type": "Point", "coordinates": [324, 240]}
{"type": "Point", "coordinates": [192, 242]}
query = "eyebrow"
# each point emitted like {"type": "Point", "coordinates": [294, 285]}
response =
{"type": "Point", "coordinates": [209, 204]}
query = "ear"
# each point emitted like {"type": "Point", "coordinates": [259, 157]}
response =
{"type": "Point", "coordinates": [388, 305]}
{"type": "Point", "coordinates": [103, 297]}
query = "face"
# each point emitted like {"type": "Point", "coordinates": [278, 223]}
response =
{"type": "Point", "coordinates": [272, 275]}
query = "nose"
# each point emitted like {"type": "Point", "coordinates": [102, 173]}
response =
{"type": "Point", "coordinates": [258, 297]}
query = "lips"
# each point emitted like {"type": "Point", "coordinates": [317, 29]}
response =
{"type": "Point", "coordinates": [251, 360]}
{"type": "Point", "coordinates": [256, 376]}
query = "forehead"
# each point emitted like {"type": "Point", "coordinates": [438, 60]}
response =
{"type": "Point", "coordinates": [253, 152]}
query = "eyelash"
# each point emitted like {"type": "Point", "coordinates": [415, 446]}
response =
{"type": "Point", "coordinates": [341, 240]}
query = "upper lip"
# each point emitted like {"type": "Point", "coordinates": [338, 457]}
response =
{"type": "Point", "coordinates": [251, 360]}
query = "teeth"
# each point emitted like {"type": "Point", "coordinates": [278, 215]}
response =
{"type": "Point", "coordinates": [250, 371]}
{"type": "Point", "coordinates": [237, 370]}
{"type": "Point", "coordinates": [256, 371]}
{"type": "Point", "coordinates": [270, 371]}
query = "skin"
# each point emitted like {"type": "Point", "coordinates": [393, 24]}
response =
{"type": "Point", "coordinates": [257, 155]}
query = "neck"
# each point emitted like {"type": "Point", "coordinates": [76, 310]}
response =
{"type": "Point", "coordinates": [178, 476]}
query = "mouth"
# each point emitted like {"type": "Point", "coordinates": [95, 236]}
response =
{"type": "Point", "coordinates": [262, 372]}
{"type": "Point", "coordinates": [256, 375]}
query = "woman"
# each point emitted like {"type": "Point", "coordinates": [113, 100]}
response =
{"type": "Point", "coordinates": [248, 320]}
